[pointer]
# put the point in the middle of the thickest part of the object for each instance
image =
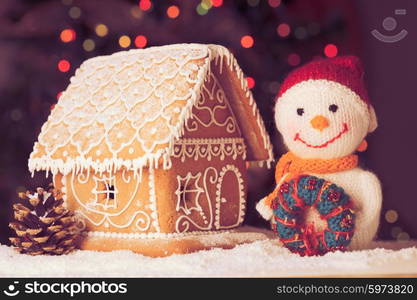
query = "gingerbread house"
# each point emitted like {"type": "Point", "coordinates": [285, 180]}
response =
{"type": "Point", "coordinates": [151, 145]}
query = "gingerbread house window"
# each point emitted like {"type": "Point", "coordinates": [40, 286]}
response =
{"type": "Point", "coordinates": [188, 193]}
{"type": "Point", "coordinates": [105, 192]}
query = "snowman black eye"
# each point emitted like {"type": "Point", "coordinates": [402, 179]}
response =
{"type": "Point", "coordinates": [300, 111]}
{"type": "Point", "coordinates": [333, 108]}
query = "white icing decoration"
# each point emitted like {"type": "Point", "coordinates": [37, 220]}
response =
{"type": "Point", "coordinates": [187, 186]}
{"type": "Point", "coordinates": [183, 222]}
{"type": "Point", "coordinates": [63, 189]}
{"type": "Point", "coordinates": [126, 179]}
{"type": "Point", "coordinates": [101, 101]}
{"type": "Point", "coordinates": [110, 195]}
{"type": "Point", "coordinates": [218, 96]}
{"type": "Point", "coordinates": [152, 235]}
{"type": "Point", "coordinates": [220, 199]}
{"type": "Point", "coordinates": [143, 220]}
{"type": "Point", "coordinates": [208, 148]}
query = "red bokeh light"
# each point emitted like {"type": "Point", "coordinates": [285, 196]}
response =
{"type": "Point", "coordinates": [247, 41]}
{"type": "Point", "coordinates": [330, 50]}
{"type": "Point", "coordinates": [216, 3]}
{"type": "Point", "coordinates": [141, 41]}
{"type": "Point", "coordinates": [251, 82]}
{"type": "Point", "coordinates": [145, 5]}
{"type": "Point", "coordinates": [293, 59]}
{"type": "Point", "coordinates": [274, 3]}
{"type": "Point", "coordinates": [64, 65]}
{"type": "Point", "coordinates": [173, 11]}
{"type": "Point", "coordinates": [67, 35]}
{"type": "Point", "coordinates": [58, 95]}
{"type": "Point", "coordinates": [283, 30]}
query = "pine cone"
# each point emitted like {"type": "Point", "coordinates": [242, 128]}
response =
{"type": "Point", "coordinates": [43, 225]}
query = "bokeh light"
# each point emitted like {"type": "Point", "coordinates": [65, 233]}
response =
{"type": "Point", "coordinates": [201, 10]}
{"type": "Point", "coordinates": [330, 50]}
{"type": "Point", "coordinates": [251, 82]}
{"type": "Point", "coordinates": [16, 115]}
{"type": "Point", "coordinates": [89, 45]}
{"type": "Point", "coordinates": [74, 12]}
{"type": "Point", "coordinates": [67, 35]}
{"type": "Point", "coordinates": [391, 216]}
{"type": "Point", "coordinates": [217, 3]}
{"type": "Point", "coordinates": [403, 236]}
{"type": "Point", "coordinates": [141, 41]}
{"type": "Point", "coordinates": [247, 41]}
{"type": "Point", "coordinates": [300, 33]}
{"type": "Point", "coordinates": [283, 30]}
{"type": "Point", "coordinates": [124, 41]}
{"type": "Point", "coordinates": [293, 59]}
{"type": "Point", "coordinates": [58, 95]}
{"type": "Point", "coordinates": [173, 12]}
{"type": "Point", "coordinates": [145, 5]}
{"type": "Point", "coordinates": [136, 12]}
{"type": "Point", "coordinates": [206, 4]}
{"type": "Point", "coordinates": [253, 3]}
{"type": "Point", "coordinates": [101, 30]}
{"type": "Point", "coordinates": [313, 28]}
{"type": "Point", "coordinates": [273, 87]}
{"type": "Point", "coordinates": [21, 189]}
{"type": "Point", "coordinates": [395, 231]}
{"type": "Point", "coordinates": [64, 65]}
{"type": "Point", "coordinates": [274, 3]}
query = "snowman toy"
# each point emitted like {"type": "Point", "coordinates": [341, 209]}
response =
{"type": "Point", "coordinates": [323, 201]}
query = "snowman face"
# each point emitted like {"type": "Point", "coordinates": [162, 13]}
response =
{"type": "Point", "coordinates": [321, 119]}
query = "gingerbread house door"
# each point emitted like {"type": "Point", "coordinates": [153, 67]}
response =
{"type": "Point", "coordinates": [230, 198]}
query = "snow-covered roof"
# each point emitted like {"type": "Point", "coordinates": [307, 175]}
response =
{"type": "Point", "coordinates": [128, 109]}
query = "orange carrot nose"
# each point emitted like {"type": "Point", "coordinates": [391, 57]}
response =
{"type": "Point", "coordinates": [319, 122]}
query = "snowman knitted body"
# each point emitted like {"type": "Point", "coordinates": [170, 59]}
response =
{"type": "Point", "coordinates": [323, 114]}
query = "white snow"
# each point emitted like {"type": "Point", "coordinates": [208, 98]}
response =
{"type": "Point", "coordinates": [264, 258]}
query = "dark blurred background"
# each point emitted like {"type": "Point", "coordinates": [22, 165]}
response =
{"type": "Point", "coordinates": [43, 42]}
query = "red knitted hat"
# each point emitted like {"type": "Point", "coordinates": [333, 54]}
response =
{"type": "Point", "coordinates": [346, 70]}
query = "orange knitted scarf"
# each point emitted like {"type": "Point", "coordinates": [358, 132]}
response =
{"type": "Point", "coordinates": [293, 165]}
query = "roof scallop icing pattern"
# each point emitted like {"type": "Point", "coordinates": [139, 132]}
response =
{"type": "Point", "coordinates": [127, 109]}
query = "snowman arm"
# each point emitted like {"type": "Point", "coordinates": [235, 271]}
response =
{"type": "Point", "coordinates": [264, 209]}
{"type": "Point", "coordinates": [367, 221]}
{"type": "Point", "coordinates": [264, 205]}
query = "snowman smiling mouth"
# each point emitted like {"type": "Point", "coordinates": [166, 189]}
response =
{"type": "Point", "coordinates": [344, 130]}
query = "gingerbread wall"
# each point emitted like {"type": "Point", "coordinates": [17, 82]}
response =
{"type": "Point", "coordinates": [201, 195]}
{"type": "Point", "coordinates": [206, 187]}
{"type": "Point", "coordinates": [128, 207]}
{"type": "Point", "coordinates": [212, 116]}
